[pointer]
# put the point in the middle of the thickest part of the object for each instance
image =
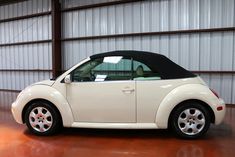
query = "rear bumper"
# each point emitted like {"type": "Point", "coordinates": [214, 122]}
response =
{"type": "Point", "coordinates": [219, 114]}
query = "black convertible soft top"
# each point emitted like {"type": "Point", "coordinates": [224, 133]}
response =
{"type": "Point", "coordinates": [156, 62]}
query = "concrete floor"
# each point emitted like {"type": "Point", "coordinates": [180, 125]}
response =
{"type": "Point", "coordinates": [16, 141]}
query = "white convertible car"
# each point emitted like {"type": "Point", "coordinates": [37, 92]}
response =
{"type": "Point", "coordinates": [121, 90]}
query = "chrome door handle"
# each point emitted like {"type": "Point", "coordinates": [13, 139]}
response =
{"type": "Point", "coordinates": [128, 90]}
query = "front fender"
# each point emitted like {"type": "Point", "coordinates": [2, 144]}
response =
{"type": "Point", "coordinates": [180, 94]}
{"type": "Point", "coordinates": [43, 92]}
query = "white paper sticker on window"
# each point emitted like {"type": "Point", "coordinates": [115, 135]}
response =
{"type": "Point", "coordinates": [100, 78]}
{"type": "Point", "coordinates": [114, 59]}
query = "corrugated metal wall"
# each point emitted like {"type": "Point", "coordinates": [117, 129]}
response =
{"type": "Point", "coordinates": [24, 8]}
{"type": "Point", "coordinates": [73, 3]}
{"type": "Point", "coordinates": [195, 51]}
{"type": "Point", "coordinates": [14, 58]}
{"type": "Point", "coordinates": [149, 16]}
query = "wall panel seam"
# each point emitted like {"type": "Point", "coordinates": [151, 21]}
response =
{"type": "Point", "coordinates": [99, 5]}
{"type": "Point", "coordinates": [10, 90]}
{"type": "Point", "coordinates": [25, 17]}
{"type": "Point", "coordinates": [210, 30]}
{"type": "Point", "coordinates": [26, 43]}
{"type": "Point", "coordinates": [25, 70]}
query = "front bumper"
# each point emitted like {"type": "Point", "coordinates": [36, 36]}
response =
{"type": "Point", "coordinates": [16, 113]}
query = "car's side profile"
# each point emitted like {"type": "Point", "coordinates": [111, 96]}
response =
{"type": "Point", "coordinates": [121, 90]}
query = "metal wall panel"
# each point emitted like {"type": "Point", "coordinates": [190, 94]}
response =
{"type": "Point", "coordinates": [32, 29]}
{"type": "Point", "coordinates": [75, 3]}
{"type": "Point", "coordinates": [6, 98]}
{"type": "Point", "coordinates": [27, 56]}
{"type": "Point", "coordinates": [20, 80]}
{"type": "Point", "coordinates": [24, 8]}
{"type": "Point", "coordinates": [31, 56]}
{"type": "Point", "coordinates": [223, 84]}
{"type": "Point", "coordinates": [204, 51]}
{"type": "Point", "coordinates": [149, 16]}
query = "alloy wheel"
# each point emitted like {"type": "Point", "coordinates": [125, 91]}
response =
{"type": "Point", "coordinates": [40, 119]}
{"type": "Point", "coordinates": [191, 121]}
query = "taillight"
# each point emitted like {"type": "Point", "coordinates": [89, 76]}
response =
{"type": "Point", "coordinates": [214, 93]}
{"type": "Point", "coordinates": [219, 108]}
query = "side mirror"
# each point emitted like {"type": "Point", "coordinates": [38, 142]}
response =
{"type": "Point", "coordinates": [67, 79]}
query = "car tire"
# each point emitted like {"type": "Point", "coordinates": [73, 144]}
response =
{"type": "Point", "coordinates": [190, 120]}
{"type": "Point", "coordinates": [42, 118]}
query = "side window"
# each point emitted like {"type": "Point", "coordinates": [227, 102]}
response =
{"type": "Point", "coordinates": [104, 69]}
{"type": "Point", "coordinates": [83, 73]}
{"type": "Point", "coordinates": [143, 72]}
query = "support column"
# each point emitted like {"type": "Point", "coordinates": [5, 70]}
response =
{"type": "Point", "coordinates": [56, 37]}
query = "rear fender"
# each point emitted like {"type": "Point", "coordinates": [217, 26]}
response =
{"type": "Point", "coordinates": [180, 94]}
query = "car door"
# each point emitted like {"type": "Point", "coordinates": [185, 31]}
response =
{"type": "Point", "coordinates": [151, 90]}
{"type": "Point", "coordinates": [102, 90]}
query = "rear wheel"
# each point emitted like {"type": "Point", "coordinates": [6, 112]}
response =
{"type": "Point", "coordinates": [190, 120]}
{"type": "Point", "coordinates": [42, 118]}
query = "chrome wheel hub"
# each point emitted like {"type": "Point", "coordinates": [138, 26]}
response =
{"type": "Point", "coordinates": [40, 119]}
{"type": "Point", "coordinates": [191, 121]}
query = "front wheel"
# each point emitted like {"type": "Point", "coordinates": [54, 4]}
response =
{"type": "Point", "coordinates": [190, 120]}
{"type": "Point", "coordinates": [42, 118]}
